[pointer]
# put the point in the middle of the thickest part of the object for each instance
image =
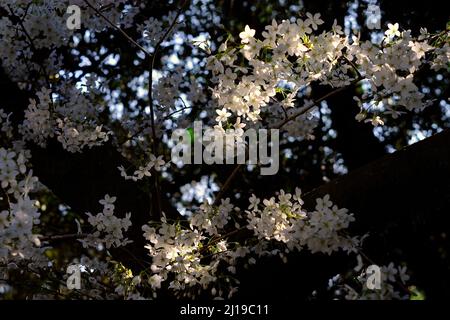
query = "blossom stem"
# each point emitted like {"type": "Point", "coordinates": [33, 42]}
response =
{"type": "Point", "coordinates": [176, 111]}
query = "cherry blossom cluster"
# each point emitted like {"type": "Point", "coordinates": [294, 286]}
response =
{"type": "Point", "coordinates": [72, 128]}
{"type": "Point", "coordinates": [37, 125]}
{"type": "Point", "coordinates": [389, 72]}
{"type": "Point", "coordinates": [191, 258]}
{"type": "Point", "coordinates": [108, 229]}
{"type": "Point", "coordinates": [285, 220]}
{"type": "Point", "coordinates": [15, 45]}
{"type": "Point", "coordinates": [12, 171]}
{"type": "Point", "coordinates": [442, 58]}
{"type": "Point", "coordinates": [21, 248]}
{"type": "Point", "coordinates": [18, 241]}
{"type": "Point", "coordinates": [75, 137]}
{"type": "Point", "coordinates": [261, 79]}
{"type": "Point", "coordinates": [20, 41]}
{"type": "Point", "coordinates": [254, 74]}
{"type": "Point", "coordinates": [153, 30]}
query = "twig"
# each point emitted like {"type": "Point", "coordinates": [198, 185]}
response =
{"type": "Point", "coordinates": [123, 33]}
{"type": "Point", "coordinates": [315, 102]}
{"type": "Point", "coordinates": [353, 66]}
{"type": "Point", "coordinates": [7, 200]}
{"type": "Point", "coordinates": [218, 239]}
{"type": "Point", "coordinates": [64, 237]}
{"type": "Point", "coordinates": [134, 135]}
{"type": "Point", "coordinates": [139, 261]}
{"type": "Point", "coordinates": [175, 112]}
{"type": "Point", "coordinates": [227, 183]}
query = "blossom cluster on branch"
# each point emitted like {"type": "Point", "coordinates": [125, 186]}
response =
{"type": "Point", "coordinates": [108, 228]}
{"type": "Point", "coordinates": [206, 253]}
{"type": "Point", "coordinates": [261, 79]}
{"type": "Point", "coordinates": [18, 241]}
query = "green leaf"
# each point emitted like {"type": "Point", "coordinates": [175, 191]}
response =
{"type": "Point", "coordinates": [191, 133]}
{"type": "Point", "coordinates": [416, 294]}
